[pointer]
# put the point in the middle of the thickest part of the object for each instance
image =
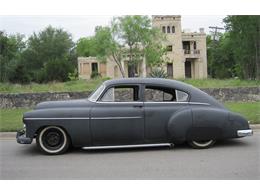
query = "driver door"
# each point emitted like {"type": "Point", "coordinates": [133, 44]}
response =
{"type": "Point", "coordinates": [118, 117]}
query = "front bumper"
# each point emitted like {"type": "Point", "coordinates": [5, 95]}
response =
{"type": "Point", "coordinates": [244, 132]}
{"type": "Point", "coordinates": [22, 139]}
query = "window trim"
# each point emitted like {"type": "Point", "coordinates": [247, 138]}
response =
{"type": "Point", "coordinates": [165, 86]}
{"type": "Point", "coordinates": [123, 85]}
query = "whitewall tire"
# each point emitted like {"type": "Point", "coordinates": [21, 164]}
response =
{"type": "Point", "coordinates": [201, 144]}
{"type": "Point", "coordinates": [53, 140]}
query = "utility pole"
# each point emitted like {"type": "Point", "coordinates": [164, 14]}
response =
{"type": "Point", "coordinates": [215, 31]}
{"type": "Point", "coordinates": [215, 35]}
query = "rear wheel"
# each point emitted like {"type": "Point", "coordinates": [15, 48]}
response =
{"type": "Point", "coordinates": [201, 144]}
{"type": "Point", "coordinates": [53, 140]}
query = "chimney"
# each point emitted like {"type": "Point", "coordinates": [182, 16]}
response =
{"type": "Point", "coordinates": [201, 30]}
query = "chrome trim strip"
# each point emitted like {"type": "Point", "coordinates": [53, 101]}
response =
{"type": "Point", "coordinates": [72, 118]}
{"type": "Point", "coordinates": [199, 103]}
{"type": "Point", "coordinates": [191, 103]}
{"type": "Point", "coordinates": [126, 146]}
{"type": "Point", "coordinates": [133, 102]}
{"type": "Point", "coordinates": [116, 117]}
{"type": "Point", "coordinates": [136, 102]}
{"type": "Point", "coordinates": [244, 132]}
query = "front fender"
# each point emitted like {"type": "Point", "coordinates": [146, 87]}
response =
{"type": "Point", "coordinates": [75, 121]}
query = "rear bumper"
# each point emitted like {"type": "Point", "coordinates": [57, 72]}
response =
{"type": "Point", "coordinates": [22, 139]}
{"type": "Point", "coordinates": [244, 132]}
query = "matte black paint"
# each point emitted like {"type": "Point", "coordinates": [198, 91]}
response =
{"type": "Point", "coordinates": [98, 124]}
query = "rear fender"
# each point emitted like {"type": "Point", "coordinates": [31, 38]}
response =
{"type": "Point", "coordinates": [178, 125]}
{"type": "Point", "coordinates": [208, 123]}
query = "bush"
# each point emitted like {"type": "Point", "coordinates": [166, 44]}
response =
{"type": "Point", "coordinates": [73, 76]}
{"type": "Point", "coordinates": [158, 72]}
{"type": "Point", "coordinates": [95, 75]}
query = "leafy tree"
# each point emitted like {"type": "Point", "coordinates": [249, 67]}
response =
{"type": "Point", "coordinates": [221, 62]}
{"type": "Point", "coordinates": [139, 38]}
{"type": "Point", "coordinates": [11, 47]}
{"type": "Point", "coordinates": [50, 55]}
{"type": "Point", "coordinates": [245, 39]}
{"type": "Point", "coordinates": [86, 47]}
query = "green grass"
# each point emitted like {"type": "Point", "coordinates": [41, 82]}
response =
{"type": "Point", "coordinates": [250, 110]}
{"type": "Point", "coordinates": [11, 119]}
{"type": "Point", "coordinates": [79, 85]}
{"type": "Point", "coordinates": [225, 83]}
{"type": "Point", "coordinates": [89, 85]}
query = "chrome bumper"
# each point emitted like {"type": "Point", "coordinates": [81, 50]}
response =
{"type": "Point", "coordinates": [22, 139]}
{"type": "Point", "coordinates": [244, 132]}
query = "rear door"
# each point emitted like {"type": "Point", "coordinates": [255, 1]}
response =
{"type": "Point", "coordinates": [160, 104]}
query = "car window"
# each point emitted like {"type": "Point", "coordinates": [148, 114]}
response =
{"type": "Point", "coordinates": [181, 96]}
{"type": "Point", "coordinates": [156, 94]}
{"type": "Point", "coordinates": [121, 94]}
{"type": "Point", "coordinates": [164, 94]}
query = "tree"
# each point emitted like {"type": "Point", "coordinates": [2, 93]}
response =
{"type": "Point", "coordinates": [245, 39]}
{"type": "Point", "coordinates": [221, 62]}
{"type": "Point", "coordinates": [139, 38]}
{"type": "Point", "coordinates": [50, 55]}
{"type": "Point", "coordinates": [11, 47]}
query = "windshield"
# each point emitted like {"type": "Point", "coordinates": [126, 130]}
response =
{"type": "Point", "coordinates": [94, 96]}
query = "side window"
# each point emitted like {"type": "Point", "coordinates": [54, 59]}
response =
{"type": "Point", "coordinates": [157, 94]}
{"type": "Point", "coordinates": [164, 94]}
{"type": "Point", "coordinates": [181, 96]}
{"type": "Point", "coordinates": [121, 94]}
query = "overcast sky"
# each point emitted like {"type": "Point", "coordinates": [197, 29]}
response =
{"type": "Point", "coordinates": [80, 26]}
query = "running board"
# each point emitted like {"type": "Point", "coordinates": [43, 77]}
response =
{"type": "Point", "coordinates": [128, 146]}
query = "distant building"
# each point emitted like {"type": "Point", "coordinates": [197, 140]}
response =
{"type": "Point", "coordinates": [186, 54]}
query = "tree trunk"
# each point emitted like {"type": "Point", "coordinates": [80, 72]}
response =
{"type": "Point", "coordinates": [131, 64]}
{"type": "Point", "coordinates": [119, 65]}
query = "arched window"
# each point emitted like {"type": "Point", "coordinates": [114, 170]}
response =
{"type": "Point", "coordinates": [163, 29]}
{"type": "Point", "coordinates": [173, 29]}
{"type": "Point", "coordinates": [168, 29]}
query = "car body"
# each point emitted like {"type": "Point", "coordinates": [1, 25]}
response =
{"type": "Point", "coordinates": [132, 112]}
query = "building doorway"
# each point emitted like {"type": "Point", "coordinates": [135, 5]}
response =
{"type": "Point", "coordinates": [94, 67]}
{"type": "Point", "coordinates": [170, 70]}
{"type": "Point", "coordinates": [188, 69]}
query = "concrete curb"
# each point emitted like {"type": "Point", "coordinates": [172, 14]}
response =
{"type": "Point", "coordinates": [12, 135]}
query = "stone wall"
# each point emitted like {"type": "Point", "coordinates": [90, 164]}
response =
{"type": "Point", "coordinates": [29, 100]}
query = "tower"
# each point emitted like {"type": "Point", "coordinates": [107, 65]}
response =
{"type": "Point", "coordinates": [170, 25]}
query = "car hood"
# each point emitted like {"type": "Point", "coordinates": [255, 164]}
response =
{"type": "Point", "coordinates": [63, 104]}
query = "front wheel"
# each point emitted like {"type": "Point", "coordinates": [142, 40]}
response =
{"type": "Point", "coordinates": [201, 144]}
{"type": "Point", "coordinates": [53, 140]}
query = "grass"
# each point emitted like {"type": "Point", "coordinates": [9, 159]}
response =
{"type": "Point", "coordinates": [250, 110]}
{"type": "Point", "coordinates": [70, 86]}
{"type": "Point", "coordinates": [225, 83]}
{"type": "Point", "coordinates": [82, 85]}
{"type": "Point", "coordinates": [11, 119]}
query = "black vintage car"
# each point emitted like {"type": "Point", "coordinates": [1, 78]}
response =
{"type": "Point", "coordinates": [132, 113]}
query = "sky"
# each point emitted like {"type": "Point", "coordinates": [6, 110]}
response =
{"type": "Point", "coordinates": [81, 26]}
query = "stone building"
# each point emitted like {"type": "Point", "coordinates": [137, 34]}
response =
{"type": "Point", "coordinates": [186, 54]}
